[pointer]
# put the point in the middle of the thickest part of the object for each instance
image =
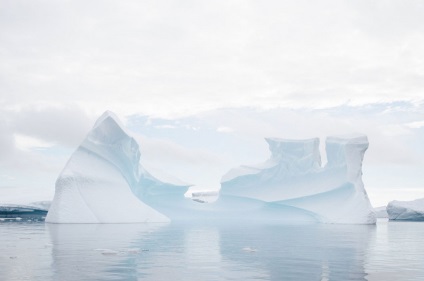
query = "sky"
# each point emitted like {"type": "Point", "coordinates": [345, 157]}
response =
{"type": "Point", "coordinates": [200, 84]}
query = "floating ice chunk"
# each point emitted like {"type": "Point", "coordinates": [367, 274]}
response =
{"type": "Point", "coordinates": [108, 252]}
{"type": "Point", "coordinates": [406, 210]}
{"type": "Point", "coordinates": [249, 249]}
{"type": "Point", "coordinates": [133, 251]}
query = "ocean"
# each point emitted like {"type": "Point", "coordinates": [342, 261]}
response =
{"type": "Point", "coordinates": [33, 250]}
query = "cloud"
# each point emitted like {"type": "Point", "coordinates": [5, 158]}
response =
{"type": "Point", "coordinates": [415, 125]}
{"type": "Point", "coordinates": [62, 124]}
{"type": "Point", "coordinates": [191, 165]}
{"type": "Point", "coordinates": [57, 129]}
{"type": "Point", "coordinates": [165, 151]}
{"type": "Point", "coordinates": [223, 129]}
{"type": "Point", "coordinates": [175, 58]}
{"type": "Point", "coordinates": [23, 142]}
{"type": "Point", "coordinates": [7, 145]}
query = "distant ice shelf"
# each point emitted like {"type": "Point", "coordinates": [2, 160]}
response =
{"type": "Point", "coordinates": [19, 211]}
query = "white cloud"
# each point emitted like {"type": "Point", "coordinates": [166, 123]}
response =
{"type": "Point", "coordinates": [191, 165]}
{"type": "Point", "coordinates": [176, 58]}
{"type": "Point", "coordinates": [26, 129]}
{"type": "Point", "coordinates": [167, 126]}
{"type": "Point", "coordinates": [223, 129]}
{"type": "Point", "coordinates": [65, 124]}
{"type": "Point", "coordinates": [23, 142]}
{"type": "Point", "coordinates": [415, 125]}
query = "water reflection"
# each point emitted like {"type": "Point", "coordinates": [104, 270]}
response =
{"type": "Point", "coordinates": [35, 251]}
{"type": "Point", "coordinates": [99, 251]}
{"type": "Point", "coordinates": [397, 252]}
{"type": "Point", "coordinates": [209, 252]}
{"type": "Point", "coordinates": [309, 252]}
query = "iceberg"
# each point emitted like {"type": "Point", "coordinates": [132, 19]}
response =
{"type": "Point", "coordinates": [293, 176]}
{"type": "Point", "coordinates": [381, 212]}
{"type": "Point", "coordinates": [103, 181]}
{"type": "Point", "coordinates": [406, 210]}
{"type": "Point", "coordinates": [35, 210]}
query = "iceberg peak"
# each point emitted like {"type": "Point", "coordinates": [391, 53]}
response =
{"type": "Point", "coordinates": [303, 152]}
{"type": "Point", "coordinates": [108, 114]}
{"type": "Point", "coordinates": [103, 181]}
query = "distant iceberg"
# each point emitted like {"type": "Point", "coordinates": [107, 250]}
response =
{"type": "Point", "coordinates": [381, 212]}
{"type": "Point", "coordinates": [31, 210]}
{"type": "Point", "coordinates": [293, 176]}
{"type": "Point", "coordinates": [406, 210]}
{"type": "Point", "coordinates": [103, 182]}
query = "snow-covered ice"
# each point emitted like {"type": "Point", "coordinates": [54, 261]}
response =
{"type": "Point", "coordinates": [406, 210]}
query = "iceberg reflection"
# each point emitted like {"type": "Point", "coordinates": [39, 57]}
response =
{"type": "Point", "coordinates": [209, 251]}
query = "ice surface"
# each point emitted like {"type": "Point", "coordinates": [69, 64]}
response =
{"type": "Point", "coordinates": [103, 181]}
{"type": "Point", "coordinates": [406, 210]}
{"type": "Point", "coordinates": [293, 176]}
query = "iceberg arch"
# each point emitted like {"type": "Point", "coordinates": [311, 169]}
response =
{"type": "Point", "coordinates": [103, 182]}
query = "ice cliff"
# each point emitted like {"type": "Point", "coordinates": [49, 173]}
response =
{"type": "Point", "coordinates": [103, 181]}
{"type": "Point", "coordinates": [406, 210]}
{"type": "Point", "coordinates": [293, 176]}
{"type": "Point", "coordinates": [29, 211]}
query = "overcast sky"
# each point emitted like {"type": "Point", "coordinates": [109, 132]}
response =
{"type": "Point", "coordinates": [201, 83]}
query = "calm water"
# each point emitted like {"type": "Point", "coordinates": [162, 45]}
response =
{"type": "Point", "coordinates": [38, 251]}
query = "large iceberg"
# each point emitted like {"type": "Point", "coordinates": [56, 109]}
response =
{"type": "Point", "coordinates": [406, 210]}
{"type": "Point", "coordinates": [293, 176]}
{"type": "Point", "coordinates": [103, 181]}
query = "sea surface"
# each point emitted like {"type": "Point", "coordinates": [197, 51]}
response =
{"type": "Point", "coordinates": [204, 251]}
